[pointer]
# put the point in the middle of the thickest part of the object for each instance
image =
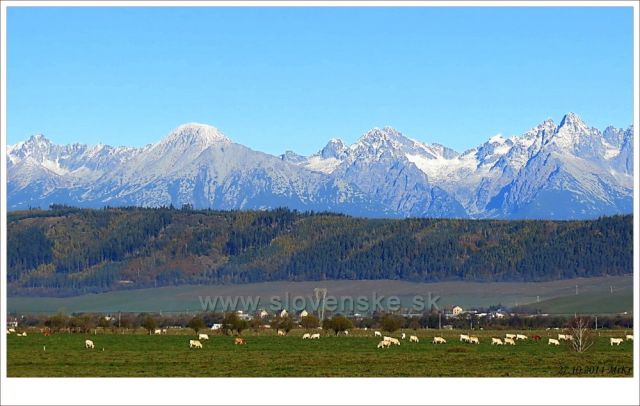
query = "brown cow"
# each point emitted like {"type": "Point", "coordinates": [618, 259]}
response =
{"type": "Point", "coordinates": [537, 338]}
{"type": "Point", "coordinates": [239, 341]}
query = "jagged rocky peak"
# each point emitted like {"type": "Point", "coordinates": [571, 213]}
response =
{"type": "Point", "coordinates": [335, 148]}
{"type": "Point", "coordinates": [573, 122]}
{"type": "Point", "coordinates": [290, 156]}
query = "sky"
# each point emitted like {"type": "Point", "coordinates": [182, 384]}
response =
{"type": "Point", "coordinates": [277, 79]}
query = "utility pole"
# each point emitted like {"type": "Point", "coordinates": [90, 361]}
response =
{"type": "Point", "coordinates": [576, 290]}
{"type": "Point", "coordinates": [439, 321]}
{"type": "Point", "coordinates": [596, 323]}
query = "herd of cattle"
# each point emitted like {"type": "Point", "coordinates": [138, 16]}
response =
{"type": "Point", "coordinates": [386, 342]}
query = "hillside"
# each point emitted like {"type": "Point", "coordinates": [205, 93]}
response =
{"type": "Point", "coordinates": [69, 251]}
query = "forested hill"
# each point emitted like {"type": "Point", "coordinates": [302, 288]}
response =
{"type": "Point", "coordinates": [66, 250]}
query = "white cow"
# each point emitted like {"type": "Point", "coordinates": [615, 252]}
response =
{"type": "Point", "coordinates": [384, 344]}
{"type": "Point", "coordinates": [562, 337]}
{"type": "Point", "coordinates": [164, 331]}
{"type": "Point", "coordinates": [203, 336]}
{"type": "Point", "coordinates": [629, 337]}
{"type": "Point", "coordinates": [89, 344]}
{"type": "Point", "coordinates": [521, 337]}
{"type": "Point", "coordinates": [157, 331]}
{"type": "Point", "coordinates": [281, 333]}
{"type": "Point", "coordinates": [12, 330]}
{"type": "Point", "coordinates": [439, 340]}
{"type": "Point", "coordinates": [306, 336]}
{"type": "Point", "coordinates": [474, 340]}
{"type": "Point", "coordinates": [464, 337]}
{"type": "Point", "coordinates": [413, 339]}
{"type": "Point", "coordinates": [553, 341]}
{"type": "Point", "coordinates": [404, 336]}
{"type": "Point", "coordinates": [377, 334]}
{"type": "Point", "coordinates": [509, 341]}
{"type": "Point", "coordinates": [315, 336]}
{"type": "Point", "coordinates": [346, 332]}
{"type": "Point", "coordinates": [496, 341]}
{"type": "Point", "coordinates": [392, 340]}
{"type": "Point", "coordinates": [510, 335]}
{"type": "Point", "coordinates": [195, 344]}
{"type": "Point", "coordinates": [615, 341]}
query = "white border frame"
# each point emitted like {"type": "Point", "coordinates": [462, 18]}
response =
{"type": "Point", "coordinates": [163, 391]}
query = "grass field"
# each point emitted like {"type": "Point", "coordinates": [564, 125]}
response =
{"type": "Point", "coordinates": [266, 355]}
{"type": "Point", "coordinates": [596, 295]}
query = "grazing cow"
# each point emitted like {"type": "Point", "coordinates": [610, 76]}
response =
{"type": "Point", "coordinates": [537, 338]}
{"type": "Point", "coordinates": [562, 337]}
{"type": "Point", "coordinates": [306, 336]}
{"type": "Point", "coordinates": [164, 331]}
{"type": "Point", "coordinates": [392, 340]}
{"type": "Point", "coordinates": [413, 339]}
{"type": "Point", "coordinates": [377, 334]}
{"type": "Point", "coordinates": [496, 341]}
{"type": "Point", "coordinates": [346, 332]}
{"type": "Point", "coordinates": [46, 333]}
{"type": "Point", "coordinates": [629, 337]}
{"type": "Point", "coordinates": [203, 337]}
{"type": "Point", "coordinates": [89, 344]}
{"type": "Point", "coordinates": [439, 340]}
{"type": "Point", "coordinates": [384, 344]}
{"type": "Point", "coordinates": [157, 331]}
{"type": "Point", "coordinates": [615, 341]}
{"type": "Point", "coordinates": [553, 341]}
{"type": "Point", "coordinates": [569, 337]}
{"type": "Point", "coordinates": [464, 337]}
{"type": "Point", "coordinates": [474, 340]}
{"type": "Point", "coordinates": [281, 333]}
{"type": "Point", "coordinates": [195, 344]}
{"type": "Point", "coordinates": [521, 337]}
{"type": "Point", "coordinates": [509, 341]}
{"type": "Point", "coordinates": [315, 336]}
{"type": "Point", "coordinates": [510, 336]}
{"type": "Point", "coordinates": [12, 330]}
{"type": "Point", "coordinates": [404, 336]}
{"type": "Point", "coordinates": [239, 341]}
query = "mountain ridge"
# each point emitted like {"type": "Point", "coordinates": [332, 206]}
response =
{"type": "Point", "coordinates": [382, 174]}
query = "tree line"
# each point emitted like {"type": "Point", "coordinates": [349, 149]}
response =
{"type": "Point", "coordinates": [67, 251]}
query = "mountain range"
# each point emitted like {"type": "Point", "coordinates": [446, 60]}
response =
{"type": "Point", "coordinates": [554, 171]}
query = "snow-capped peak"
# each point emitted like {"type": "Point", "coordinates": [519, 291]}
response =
{"type": "Point", "coordinates": [573, 122]}
{"type": "Point", "coordinates": [194, 134]}
{"type": "Point", "coordinates": [335, 148]}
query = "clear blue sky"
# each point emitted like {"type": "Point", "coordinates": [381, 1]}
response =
{"type": "Point", "coordinates": [291, 78]}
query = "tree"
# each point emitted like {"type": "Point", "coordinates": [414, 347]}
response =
{"type": "Point", "coordinates": [340, 323]}
{"type": "Point", "coordinates": [57, 322]}
{"type": "Point", "coordinates": [391, 322]}
{"type": "Point", "coordinates": [286, 324]}
{"type": "Point", "coordinates": [149, 324]}
{"type": "Point", "coordinates": [196, 324]}
{"type": "Point", "coordinates": [582, 334]}
{"type": "Point", "coordinates": [310, 322]}
{"type": "Point", "coordinates": [232, 322]}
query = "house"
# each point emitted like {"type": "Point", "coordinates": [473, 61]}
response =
{"type": "Point", "coordinates": [304, 313]}
{"type": "Point", "coordinates": [262, 314]}
{"type": "Point", "coordinates": [284, 313]}
{"type": "Point", "coordinates": [216, 326]}
{"type": "Point", "coordinates": [457, 310]}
